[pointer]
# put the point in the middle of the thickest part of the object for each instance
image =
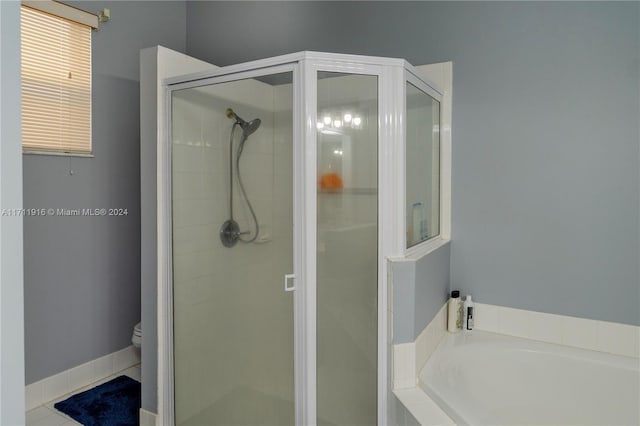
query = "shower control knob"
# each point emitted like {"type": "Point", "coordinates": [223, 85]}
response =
{"type": "Point", "coordinates": [229, 233]}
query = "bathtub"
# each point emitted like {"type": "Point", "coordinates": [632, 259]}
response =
{"type": "Point", "coordinates": [483, 378]}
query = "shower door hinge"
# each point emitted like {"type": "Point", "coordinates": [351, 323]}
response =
{"type": "Point", "coordinates": [287, 279]}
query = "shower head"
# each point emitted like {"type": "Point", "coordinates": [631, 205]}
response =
{"type": "Point", "coordinates": [250, 127]}
{"type": "Point", "coordinates": [247, 127]}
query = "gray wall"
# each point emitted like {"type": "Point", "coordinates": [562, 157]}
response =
{"type": "Point", "coordinates": [82, 274]}
{"type": "Point", "coordinates": [545, 137]}
{"type": "Point", "coordinates": [420, 288]}
{"type": "Point", "coordinates": [11, 278]}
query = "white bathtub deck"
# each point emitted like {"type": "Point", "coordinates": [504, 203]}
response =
{"type": "Point", "coordinates": [484, 378]}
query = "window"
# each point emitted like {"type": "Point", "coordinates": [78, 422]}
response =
{"type": "Point", "coordinates": [56, 83]}
{"type": "Point", "coordinates": [422, 166]}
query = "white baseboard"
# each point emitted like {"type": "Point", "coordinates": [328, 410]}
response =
{"type": "Point", "coordinates": [602, 336]}
{"type": "Point", "coordinates": [147, 418]}
{"type": "Point", "coordinates": [67, 381]}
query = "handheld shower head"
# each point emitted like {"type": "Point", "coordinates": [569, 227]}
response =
{"type": "Point", "coordinates": [250, 127]}
{"type": "Point", "coordinates": [230, 231]}
{"type": "Point", "coordinates": [247, 127]}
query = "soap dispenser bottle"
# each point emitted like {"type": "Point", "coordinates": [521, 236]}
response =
{"type": "Point", "coordinates": [454, 318]}
{"type": "Point", "coordinates": [467, 323]}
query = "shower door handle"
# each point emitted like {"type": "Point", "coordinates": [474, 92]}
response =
{"type": "Point", "coordinates": [287, 279]}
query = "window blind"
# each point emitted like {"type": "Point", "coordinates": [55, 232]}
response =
{"type": "Point", "coordinates": [56, 84]}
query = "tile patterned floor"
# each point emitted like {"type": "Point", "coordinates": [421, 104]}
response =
{"type": "Point", "coordinates": [46, 415]}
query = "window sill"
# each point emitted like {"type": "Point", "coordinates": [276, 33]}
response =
{"type": "Point", "coordinates": [59, 154]}
{"type": "Point", "coordinates": [426, 247]}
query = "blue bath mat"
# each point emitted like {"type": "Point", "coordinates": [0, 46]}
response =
{"type": "Point", "coordinates": [114, 403]}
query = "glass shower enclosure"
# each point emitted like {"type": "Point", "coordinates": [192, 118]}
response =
{"type": "Point", "coordinates": [285, 180]}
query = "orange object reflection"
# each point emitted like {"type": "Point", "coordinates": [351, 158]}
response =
{"type": "Point", "coordinates": [331, 182]}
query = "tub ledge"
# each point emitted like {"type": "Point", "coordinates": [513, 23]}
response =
{"type": "Point", "coordinates": [424, 410]}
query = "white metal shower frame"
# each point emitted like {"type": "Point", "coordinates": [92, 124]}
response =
{"type": "Point", "coordinates": [392, 75]}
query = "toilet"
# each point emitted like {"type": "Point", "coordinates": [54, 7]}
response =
{"type": "Point", "coordinates": [136, 337]}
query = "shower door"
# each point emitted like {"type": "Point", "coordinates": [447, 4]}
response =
{"type": "Point", "coordinates": [233, 250]}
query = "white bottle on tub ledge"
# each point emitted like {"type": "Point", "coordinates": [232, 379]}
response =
{"type": "Point", "coordinates": [467, 313]}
